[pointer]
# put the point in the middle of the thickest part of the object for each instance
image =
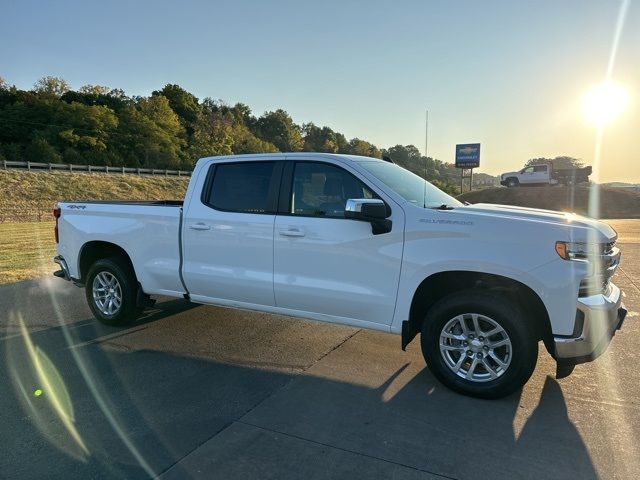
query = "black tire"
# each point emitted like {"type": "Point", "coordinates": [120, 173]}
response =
{"type": "Point", "coordinates": [512, 182]}
{"type": "Point", "coordinates": [512, 319]}
{"type": "Point", "coordinates": [128, 286]}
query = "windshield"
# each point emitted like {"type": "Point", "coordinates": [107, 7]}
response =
{"type": "Point", "coordinates": [409, 186]}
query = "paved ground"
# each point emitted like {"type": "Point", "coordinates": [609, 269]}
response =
{"type": "Point", "coordinates": [205, 392]}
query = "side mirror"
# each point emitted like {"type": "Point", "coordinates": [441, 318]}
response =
{"type": "Point", "coordinates": [370, 210]}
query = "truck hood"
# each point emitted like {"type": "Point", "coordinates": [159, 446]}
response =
{"type": "Point", "coordinates": [580, 228]}
{"type": "Point", "coordinates": [509, 174]}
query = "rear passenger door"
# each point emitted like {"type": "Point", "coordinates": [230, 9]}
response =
{"type": "Point", "coordinates": [325, 263]}
{"type": "Point", "coordinates": [228, 234]}
{"type": "Point", "coordinates": [541, 173]}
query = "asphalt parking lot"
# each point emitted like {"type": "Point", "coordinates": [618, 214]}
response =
{"type": "Point", "coordinates": [205, 392]}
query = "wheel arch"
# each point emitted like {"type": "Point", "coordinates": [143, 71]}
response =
{"type": "Point", "coordinates": [441, 284]}
{"type": "Point", "coordinates": [95, 250]}
{"type": "Point", "coordinates": [508, 180]}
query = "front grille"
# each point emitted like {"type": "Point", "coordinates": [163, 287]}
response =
{"type": "Point", "coordinates": [604, 268]}
{"type": "Point", "coordinates": [608, 248]}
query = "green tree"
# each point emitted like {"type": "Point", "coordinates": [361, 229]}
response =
{"type": "Point", "coordinates": [3, 84]}
{"type": "Point", "coordinates": [12, 151]}
{"type": "Point", "coordinates": [185, 104]}
{"type": "Point", "coordinates": [94, 89]}
{"type": "Point", "coordinates": [212, 135]}
{"type": "Point", "coordinates": [151, 135]}
{"type": "Point", "coordinates": [343, 143]}
{"type": "Point", "coordinates": [410, 158]}
{"type": "Point", "coordinates": [55, 86]}
{"type": "Point", "coordinates": [399, 154]}
{"type": "Point", "coordinates": [447, 186]}
{"type": "Point", "coordinates": [97, 95]}
{"type": "Point", "coordinates": [39, 150]}
{"type": "Point", "coordinates": [558, 162]}
{"type": "Point", "coordinates": [364, 148]}
{"type": "Point", "coordinates": [84, 127]}
{"type": "Point", "coordinates": [242, 114]}
{"type": "Point", "coordinates": [244, 141]}
{"type": "Point", "coordinates": [169, 129]}
{"type": "Point", "coordinates": [318, 139]}
{"type": "Point", "coordinates": [279, 129]}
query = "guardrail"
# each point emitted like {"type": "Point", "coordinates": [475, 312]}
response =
{"type": "Point", "coordinates": [50, 167]}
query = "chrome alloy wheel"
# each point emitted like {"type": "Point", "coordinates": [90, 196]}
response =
{"type": "Point", "coordinates": [107, 294]}
{"type": "Point", "coordinates": [475, 347]}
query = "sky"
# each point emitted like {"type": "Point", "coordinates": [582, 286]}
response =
{"type": "Point", "coordinates": [508, 74]}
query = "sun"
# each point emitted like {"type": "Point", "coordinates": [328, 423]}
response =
{"type": "Point", "coordinates": [604, 102]}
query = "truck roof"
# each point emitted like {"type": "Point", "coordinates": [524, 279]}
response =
{"type": "Point", "coordinates": [289, 156]}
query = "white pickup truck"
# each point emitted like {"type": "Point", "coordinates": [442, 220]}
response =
{"type": "Point", "coordinates": [361, 242]}
{"type": "Point", "coordinates": [545, 174]}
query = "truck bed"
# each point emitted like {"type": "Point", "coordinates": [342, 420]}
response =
{"type": "Point", "coordinates": [148, 231]}
{"type": "Point", "coordinates": [154, 203]}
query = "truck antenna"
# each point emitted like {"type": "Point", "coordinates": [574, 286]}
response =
{"type": "Point", "coordinates": [426, 144]}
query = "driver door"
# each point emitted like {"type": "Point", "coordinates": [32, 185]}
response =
{"type": "Point", "coordinates": [327, 264]}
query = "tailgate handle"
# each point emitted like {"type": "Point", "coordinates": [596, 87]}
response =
{"type": "Point", "coordinates": [199, 226]}
{"type": "Point", "coordinates": [292, 232]}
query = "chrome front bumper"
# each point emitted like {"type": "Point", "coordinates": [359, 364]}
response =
{"type": "Point", "coordinates": [602, 315]}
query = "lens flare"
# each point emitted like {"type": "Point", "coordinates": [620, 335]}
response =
{"type": "Point", "coordinates": [605, 102]}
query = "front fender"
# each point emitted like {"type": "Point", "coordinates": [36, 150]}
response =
{"type": "Point", "coordinates": [409, 283]}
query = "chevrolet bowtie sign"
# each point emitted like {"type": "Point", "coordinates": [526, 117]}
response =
{"type": "Point", "coordinates": [468, 155]}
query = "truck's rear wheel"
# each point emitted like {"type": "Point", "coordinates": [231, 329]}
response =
{"type": "Point", "coordinates": [111, 289]}
{"type": "Point", "coordinates": [479, 344]}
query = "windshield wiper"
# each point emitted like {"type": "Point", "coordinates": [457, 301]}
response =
{"type": "Point", "coordinates": [444, 206]}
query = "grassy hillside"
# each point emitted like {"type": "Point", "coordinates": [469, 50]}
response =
{"type": "Point", "coordinates": [30, 196]}
{"type": "Point", "coordinates": [614, 203]}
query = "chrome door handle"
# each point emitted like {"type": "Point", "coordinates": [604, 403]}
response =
{"type": "Point", "coordinates": [199, 226]}
{"type": "Point", "coordinates": [292, 232]}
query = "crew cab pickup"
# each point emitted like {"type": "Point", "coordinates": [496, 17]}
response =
{"type": "Point", "coordinates": [362, 242]}
{"type": "Point", "coordinates": [545, 174]}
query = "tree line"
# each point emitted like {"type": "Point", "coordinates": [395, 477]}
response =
{"type": "Point", "coordinates": [171, 128]}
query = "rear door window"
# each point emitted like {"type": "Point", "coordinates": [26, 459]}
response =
{"type": "Point", "coordinates": [244, 187]}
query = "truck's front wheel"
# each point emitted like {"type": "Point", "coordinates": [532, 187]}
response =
{"type": "Point", "coordinates": [111, 289]}
{"type": "Point", "coordinates": [512, 182]}
{"type": "Point", "coordinates": [479, 343]}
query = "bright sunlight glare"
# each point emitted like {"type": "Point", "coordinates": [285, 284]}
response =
{"type": "Point", "coordinates": [603, 103]}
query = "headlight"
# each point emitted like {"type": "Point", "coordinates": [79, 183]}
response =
{"type": "Point", "coordinates": [601, 258]}
{"type": "Point", "coordinates": [579, 251]}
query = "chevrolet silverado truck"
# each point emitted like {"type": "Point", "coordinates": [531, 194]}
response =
{"type": "Point", "coordinates": [545, 174]}
{"type": "Point", "coordinates": [362, 242]}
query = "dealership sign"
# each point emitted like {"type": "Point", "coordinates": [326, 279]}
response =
{"type": "Point", "coordinates": [468, 155]}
